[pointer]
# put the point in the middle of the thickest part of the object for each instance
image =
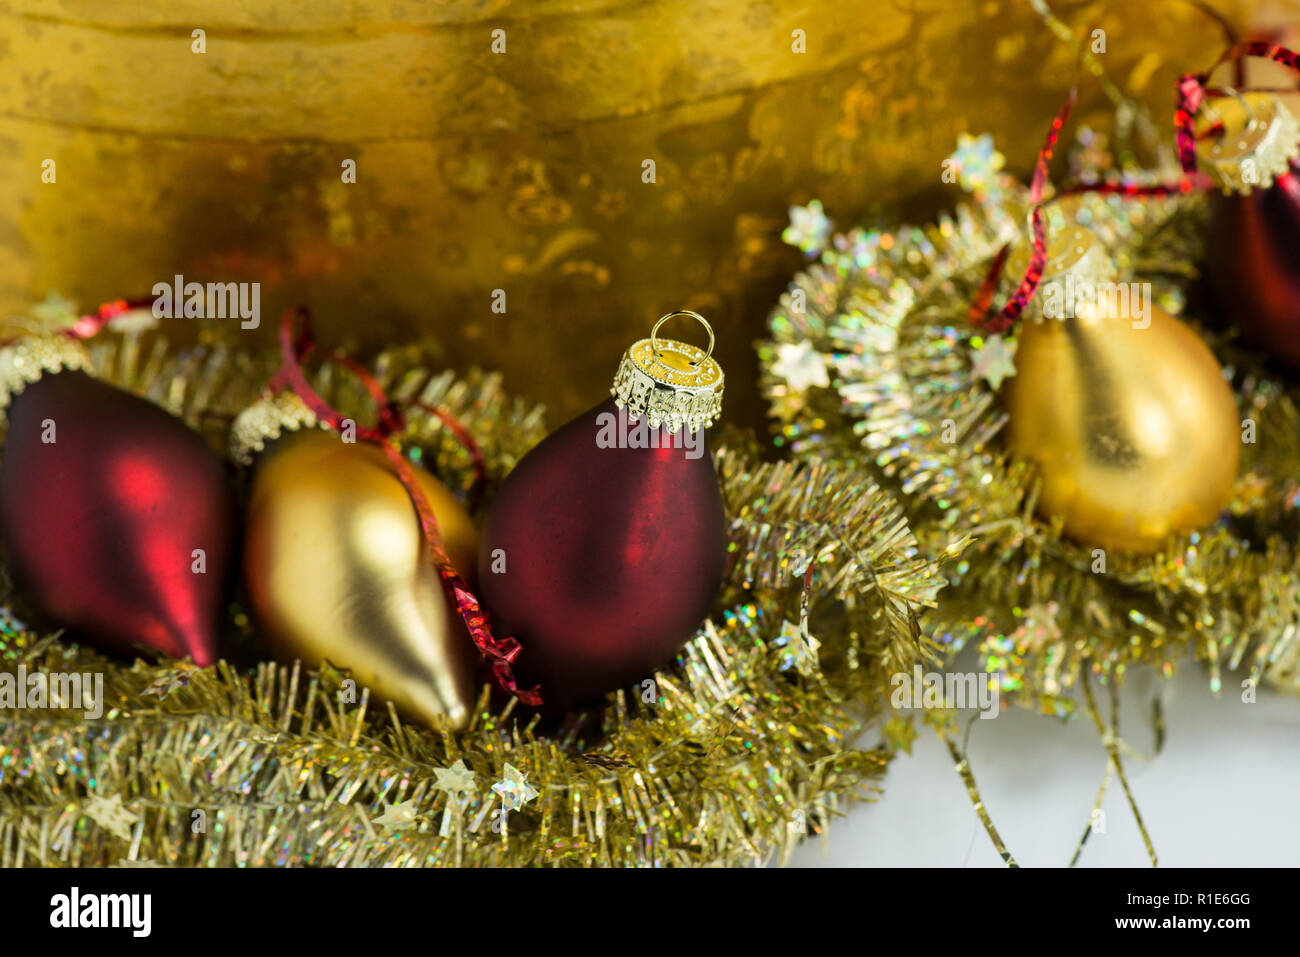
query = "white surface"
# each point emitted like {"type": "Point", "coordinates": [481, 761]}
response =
{"type": "Point", "coordinates": [1224, 791]}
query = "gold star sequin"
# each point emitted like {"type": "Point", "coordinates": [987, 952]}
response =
{"type": "Point", "coordinates": [995, 360]}
{"type": "Point", "coordinates": [109, 814]}
{"type": "Point", "coordinates": [513, 790]}
{"type": "Point", "coordinates": [801, 366]}
{"type": "Point", "coordinates": [398, 817]}
{"type": "Point", "coordinates": [457, 780]}
{"type": "Point", "coordinates": [801, 649]}
{"type": "Point", "coordinates": [54, 312]}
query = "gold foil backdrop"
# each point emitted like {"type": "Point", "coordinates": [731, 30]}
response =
{"type": "Point", "coordinates": [520, 170]}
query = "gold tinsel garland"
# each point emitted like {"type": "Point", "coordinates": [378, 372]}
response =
{"type": "Point", "coordinates": [746, 744]}
{"type": "Point", "coordinates": [886, 370]}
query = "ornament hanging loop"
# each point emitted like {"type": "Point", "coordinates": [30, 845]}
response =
{"type": "Point", "coordinates": [654, 333]}
{"type": "Point", "coordinates": [1252, 117]}
{"type": "Point", "coordinates": [1216, 119]}
{"type": "Point", "coordinates": [672, 383]}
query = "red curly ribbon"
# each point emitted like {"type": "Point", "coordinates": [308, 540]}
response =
{"type": "Point", "coordinates": [500, 653]}
{"type": "Point", "coordinates": [1010, 312]}
{"type": "Point", "coordinates": [979, 307]}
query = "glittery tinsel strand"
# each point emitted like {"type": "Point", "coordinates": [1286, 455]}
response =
{"type": "Point", "coordinates": [962, 765]}
{"type": "Point", "coordinates": [1092, 816]}
{"type": "Point", "coordinates": [1110, 737]}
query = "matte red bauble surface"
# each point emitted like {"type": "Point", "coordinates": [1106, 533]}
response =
{"type": "Point", "coordinates": [101, 526]}
{"type": "Point", "coordinates": [1254, 265]}
{"type": "Point", "coordinates": [612, 557]}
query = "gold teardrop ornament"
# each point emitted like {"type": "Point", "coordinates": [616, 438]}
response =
{"type": "Point", "coordinates": [336, 568]}
{"type": "Point", "coordinates": [1123, 408]}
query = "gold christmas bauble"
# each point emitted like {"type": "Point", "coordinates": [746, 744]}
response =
{"type": "Point", "coordinates": [1125, 412]}
{"type": "Point", "coordinates": [336, 569]}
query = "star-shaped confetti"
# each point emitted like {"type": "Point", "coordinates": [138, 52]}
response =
{"type": "Point", "coordinates": [977, 162]}
{"type": "Point", "coordinates": [457, 780]}
{"type": "Point", "coordinates": [109, 814]}
{"type": "Point", "coordinates": [398, 817]}
{"type": "Point", "coordinates": [513, 790]}
{"type": "Point", "coordinates": [809, 228]}
{"type": "Point", "coordinates": [800, 649]}
{"type": "Point", "coordinates": [54, 312]}
{"type": "Point", "coordinates": [993, 359]}
{"type": "Point", "coordinates": [801, 366]}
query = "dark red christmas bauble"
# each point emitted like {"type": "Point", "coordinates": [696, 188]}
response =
{"type": "Point", "coordinates": [601, 561]}
{"type": "Point", "coordinates": [1253, 246]}
{"type": "Point", "coordinates": [117, 520]}
{"type": "Point", "coordinates": [1254, 265]}
{"type": "Point", "coordinates": [605, 547]}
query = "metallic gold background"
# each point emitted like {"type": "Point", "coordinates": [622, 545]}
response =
{"type": "Point", "coordinates": [522, 172]}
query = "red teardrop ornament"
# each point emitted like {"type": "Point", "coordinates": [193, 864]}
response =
{"type": "Point", "coordinates": [1252, 153]}
{"type": "Point", "coordinates": [1254, 265]}
{"type": "Point", "coordinates": [101, 526]}
{"type": "Point", "coordinates": [612, 556]}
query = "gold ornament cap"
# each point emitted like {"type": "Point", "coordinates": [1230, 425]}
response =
{"type": "Point", "coordinates": [265, 421]}
{"type": "Point", "coordinates": [669, 382]}
{"type": "Point", "coordinates": [27, 359]}
{"type": "Point", "coordinates": [1259, 142]}
{"type": "Point", "coordinates": [1078, 262]}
